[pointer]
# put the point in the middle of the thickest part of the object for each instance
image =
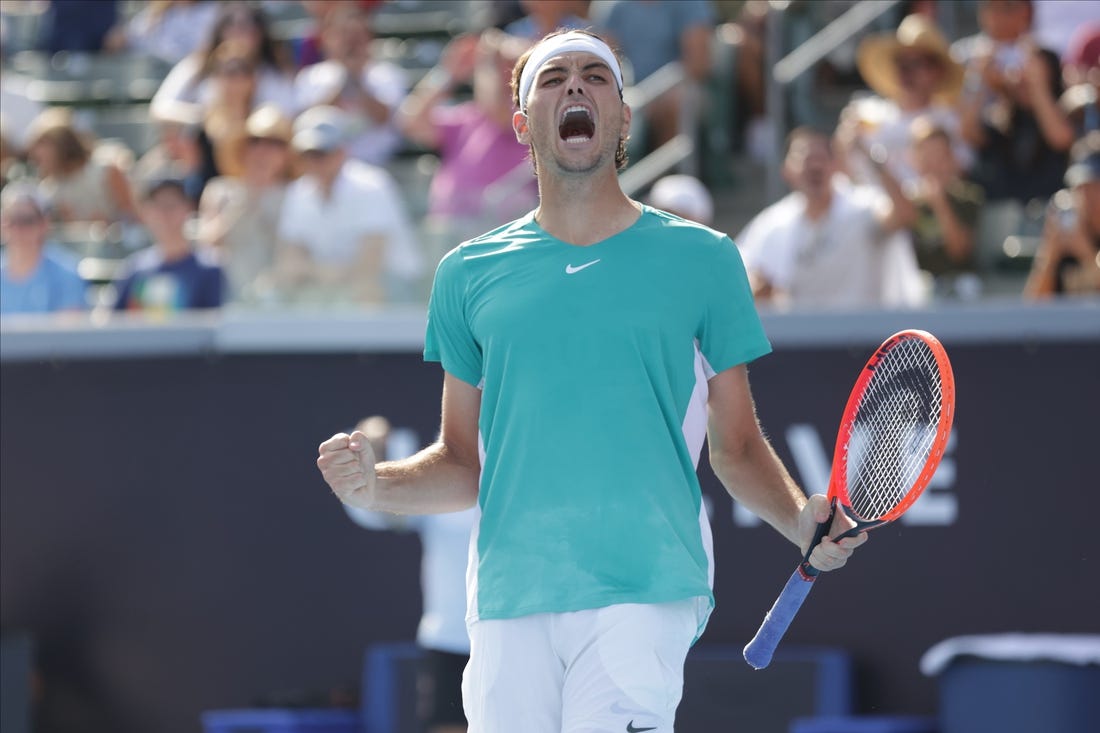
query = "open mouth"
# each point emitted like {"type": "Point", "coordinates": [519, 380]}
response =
{"type": "Point", "coordinates": [576, 125]}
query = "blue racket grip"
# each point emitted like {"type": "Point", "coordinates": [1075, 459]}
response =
{"type": "Point", "coordinates": [759, 651]}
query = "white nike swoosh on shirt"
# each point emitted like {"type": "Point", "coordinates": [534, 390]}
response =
{"type": "Point", "coordinates": [569, 269]}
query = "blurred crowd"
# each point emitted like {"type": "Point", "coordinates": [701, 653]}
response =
{"type": "Point", "coordinates": [313, 153]}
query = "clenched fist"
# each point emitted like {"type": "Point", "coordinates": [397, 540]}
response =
{"type": "Point", "coordinates": [347, 464]}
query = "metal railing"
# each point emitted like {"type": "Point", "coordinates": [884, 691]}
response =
{"type": "Point", "coordinates": [788, 68]}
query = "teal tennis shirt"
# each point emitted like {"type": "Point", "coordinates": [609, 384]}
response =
{"type": "Point", "coordinates": [593, 364]}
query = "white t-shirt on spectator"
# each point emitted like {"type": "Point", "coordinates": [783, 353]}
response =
{"type": "Point", "coordinates": [843, 260]}
{"type": "Point", "coordinates": [365, 201]}
{"type": "Point", "coordinates": [321, 83]}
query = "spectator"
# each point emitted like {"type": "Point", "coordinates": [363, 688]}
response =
{"type": "Point", "coordinates": [827, 243]}
{"type": "Point", "coordinates": [547, 16]}
{"type": "Point", "coordinates": [483, 179]}
{"type": "Point", "coordinates": [189, 81]}
{"type": "Point", "coordinates": [1021, 136]}
{"type": "Point", "coordinates": [308, 50]}
{"type": "Point", "coordinates": [684, 196]}
{"type": "Point", "coordinates": [1081, 73]}
{"type": "Point", "coordinates": [170, 30]}
{"type": "Point", "coordinates": [233, 82]}
{"type": "Point", "coordinates": [182, 147]}
{"type": "Point", "coordinates": [77, 26]}
{"type": "Point", "coordinates": [912, 75]}
{"type": "Point", "coordinates": [1004, 27]}
{"type": "Point", "coordinates": [240, 216]}
{"type": "Point", "coordinates": [350, 79]}
{"type": "Point", "coordinates": [81, 181]}
{"type": "Point", "coordinates": [653, 33]}
{"type": "Point", "coordinates": [346, 236]}
{"type": "Point", "coordinates": [947, 213]}
{"type": "Point", "coordinates": [1068, 259]}
{"type": "Point", "coordinates": [442, 631]}
{"type": "Point", "coordinates": [34, 277]}
{"type": "Point", "coordinates": [173, 274]}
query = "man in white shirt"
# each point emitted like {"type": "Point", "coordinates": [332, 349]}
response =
{"type": "Point", "coordinates": [829, 243]}
{"type": "Point", "coordinates": [344, 230]}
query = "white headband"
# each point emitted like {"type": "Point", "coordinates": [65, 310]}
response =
{"type": "Point", "coordinates": [565, 43]}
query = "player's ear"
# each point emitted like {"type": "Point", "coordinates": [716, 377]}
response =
{"type": "Point", "coordinates": [519, 125]}
{"type": "Point", "coordinates": [625, 132]}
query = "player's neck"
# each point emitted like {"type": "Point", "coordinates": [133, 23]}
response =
{"type": "Point", "coordinates": [584, 212]}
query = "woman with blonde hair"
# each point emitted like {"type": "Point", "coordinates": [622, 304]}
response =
{"type": "Point", "coordinates": [81, 181]}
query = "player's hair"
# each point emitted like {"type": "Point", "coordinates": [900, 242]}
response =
{"type": "Point", "coordinates": [517, 71]}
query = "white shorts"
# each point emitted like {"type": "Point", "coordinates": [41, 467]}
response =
{"type": "Point", "coordinates": [604, 670]}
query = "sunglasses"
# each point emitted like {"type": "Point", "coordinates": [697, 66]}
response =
{"type": "Point", "coordinates": [915, 63]}
{"type": "Point", "coordinates": [267, 141]}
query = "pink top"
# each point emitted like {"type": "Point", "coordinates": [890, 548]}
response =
{"type": "Point", "coordinates": [475, 152]}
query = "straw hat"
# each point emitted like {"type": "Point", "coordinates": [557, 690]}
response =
{"type": "Point", "coordinates": [266, 122]}
{"type": "Point", "coordinates": [876, 55]}
{"type": "Point", "coordinates": [269, 123]}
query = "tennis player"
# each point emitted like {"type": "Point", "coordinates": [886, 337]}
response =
{"type": "Point", "coordinates": [588, 348]}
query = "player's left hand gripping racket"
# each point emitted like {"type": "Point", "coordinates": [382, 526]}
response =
{"type": "Point", "coordinates": [891, 439]}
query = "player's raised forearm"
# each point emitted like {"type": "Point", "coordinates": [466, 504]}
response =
{"type": "Point", "coordinates": [437, 479]}
{"type": "Point", "coordinates": [440, 478]}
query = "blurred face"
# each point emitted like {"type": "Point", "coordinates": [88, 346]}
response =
{"type": "Point", "coordinates": [918, 73]}
{"type": "Point", "coordinates": [266, 158]}
{"type": "Point", "coordinates": [348, 38]}
{"type": "Point", "coordinates": [934, 157]}
{"type": "Point", "coordinates": [22, 225]}
{"type": "Point", "coordinates": [236, 77]}
{"type": "Point", "coordinates": [809, 165]}
{"type": "Point", "coordinates": [44, 156]}
{"type": "Point", "coordinates": [324, 166]}
{"type": "Point", "coordinates": [1004, 20]}
{"type": "Point", "coordinates": [166, 212]}
{"type": "Point", "coordinates": [575, 117]}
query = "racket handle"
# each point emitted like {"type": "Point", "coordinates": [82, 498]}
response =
{"type": "Point", "coordinates": [759, 651]}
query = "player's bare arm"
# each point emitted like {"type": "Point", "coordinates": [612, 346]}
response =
{"type": "Point", "coordinates": [748, 467]}
{"type": "Point", "coordinates": [442, 477]}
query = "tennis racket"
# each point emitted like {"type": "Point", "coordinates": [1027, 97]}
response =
{"type": "Point", "coordinates": [891, 439]}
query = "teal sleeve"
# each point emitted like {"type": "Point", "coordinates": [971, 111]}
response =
{"type": "Point", "coordinates": [448, 338]}
{"type": "Point", "coordinates": [730, 332]}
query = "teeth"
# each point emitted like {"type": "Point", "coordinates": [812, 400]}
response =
{"type": "Point", "coordinates": [575, 108]}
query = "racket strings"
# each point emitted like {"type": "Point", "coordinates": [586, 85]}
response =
{"type": "Point", "coordinates": [894, 429]}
